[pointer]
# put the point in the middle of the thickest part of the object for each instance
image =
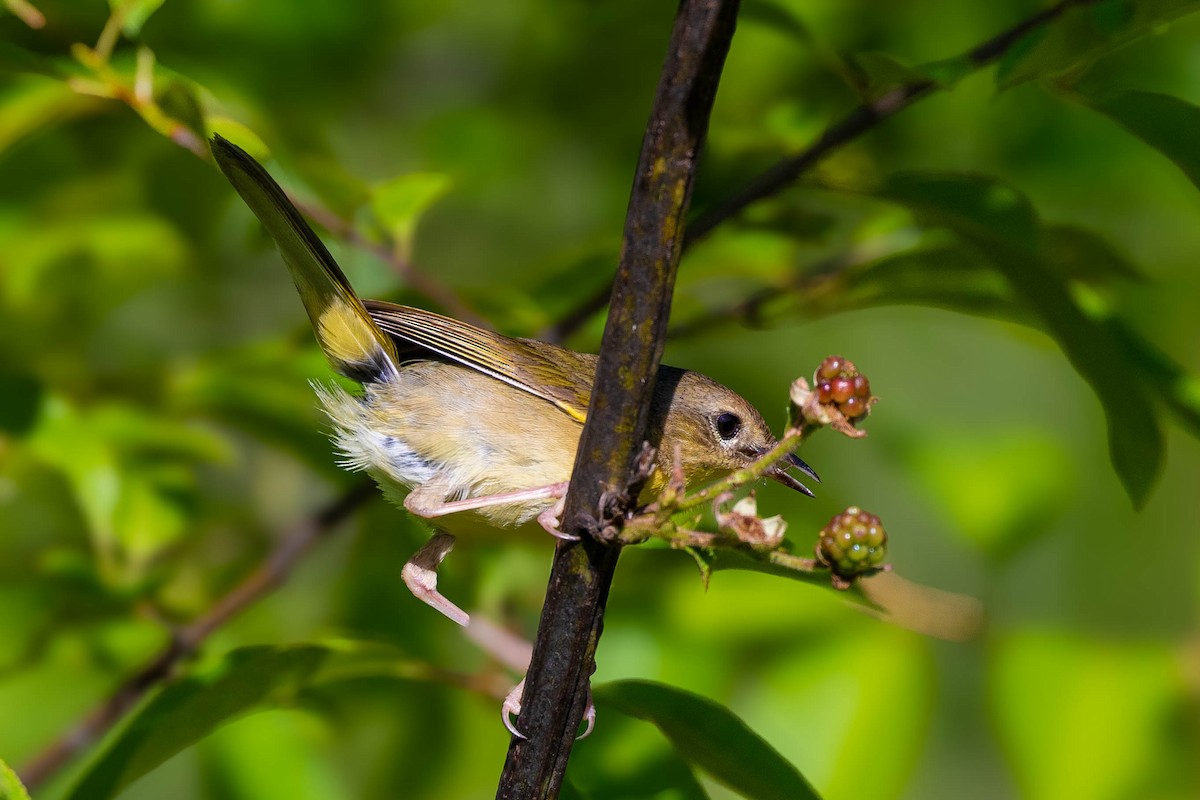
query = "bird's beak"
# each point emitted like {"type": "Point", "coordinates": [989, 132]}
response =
{"type": "Point", "coordinates": [779, 473]}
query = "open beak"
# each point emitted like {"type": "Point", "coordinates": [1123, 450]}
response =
{"type": "Point", "coordinates": [779, 473]}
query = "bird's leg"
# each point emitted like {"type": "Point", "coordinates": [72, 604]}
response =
{"type": "Point", "coordinates": [428, 500]}
{"type": "Point", "coordinates": [420, 576]}
{"type": "Point", "coordinates": [512, 709]}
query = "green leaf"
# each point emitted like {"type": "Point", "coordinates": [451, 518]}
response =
{"type": "Point", "coordinates": [1166, 123]}
{"type": "Point", "coordinates": [879, 72]}
{"type": "Point", "coordinates": [20, 400]}
{"type": "Point", "coordinates": [133, 14]}
{"type": "Point", "coordinates": [1001, 224]}
{"type": "Point", "coordinates": [400, 202]}
{"type": "Point", "coordinates": [1084, 34]}
{"type": "Point", "coordinates": [131, 473]}
{"type": "Point", "coordinates": [244, 681]}
{"type": "Point", "coordinates": [711, 737]}
{"type": "Point", "coordinates": [14, 58]}
{"type": "Point", "coordinates": [777, 17]}
{"type": "Point", "coordinates": [10, 784]}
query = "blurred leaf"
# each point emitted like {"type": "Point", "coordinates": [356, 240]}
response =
{"type": "Point", "coordinates": [50, 262]}
{"type": "Point", "coordinates": [16, 59]}
{"type": "Point", "coordinates": [10, 784]}
{"type": "Point", "coordinates": [1060, 701]}
{"type": "Point", "coordinates": [1083, 35]}
{"type": "Point", "coordinates": [246, 680]}
{"type": "Point", "coordinates": [711, 737]}
{"type": "Point", "coordinates": [264, 389]}
{"type": "Point", "coordinates": [20, 399]}
{"type": "Point", "coordinates": [345, 193]}
{"type": "Point", "coordinates": [239, 134]}
{"type": "Point", "coordinates": [400, 202]}
{"type": "Point", "coordinates": [1000, 222]}
{"type": "Point", "coordinates": [1083, 255]}
{"type": "Point", "coordinates": [130, 472]}
{"type": "Point", "coordinates": [134, 13]}
{"type": "Point", "coordinates": [289, 741]}
{"type": "Point", "coordinates": [877, 73]}
{"type": "Point", "coordinates": [1001, 488]}
{"type": "Point", "coordinates": [180, 102]}
{"type": "Point", "coordinates": [1166, 123]}
{"type": "Point", "coordinates": [776, 16]}
{"type": "Point", "coordinates": [33, 104]}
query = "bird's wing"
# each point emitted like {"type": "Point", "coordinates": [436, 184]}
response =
{"type": "Point", "coordinates": [553, 373]}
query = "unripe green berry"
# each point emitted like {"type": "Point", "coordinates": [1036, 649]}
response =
{"type": "Point", "coordinates": [853, 542]}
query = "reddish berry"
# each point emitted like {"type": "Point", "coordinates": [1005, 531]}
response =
{"type": "Point", "coordinates": [862, 387]}
{"type": "Point", "coordinates": [824, 392]}
{"type": "Point", "coordinates": [841, 389]}
{"type": "Point", "coordinates": [853, 407]}
{"type": "Point", "coordinates": [831, 367]}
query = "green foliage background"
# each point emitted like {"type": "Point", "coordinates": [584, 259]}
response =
{"type": "Point", "coordinates": [1033, 303]}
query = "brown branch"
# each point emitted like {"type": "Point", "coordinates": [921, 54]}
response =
{"type": "Point", "coordinates": [186, 640]}
{"type": "Point", "coordinates": [612, 440]}
{"type": "Point", "coordinates": [862, 119]}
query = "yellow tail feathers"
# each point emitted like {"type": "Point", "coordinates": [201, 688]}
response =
{"type": "Point", "coordinates": [352, 342]}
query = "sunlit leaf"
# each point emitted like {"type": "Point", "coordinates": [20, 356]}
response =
{"type": "Point", "coordinates": [400, 202]}
{"type": "Point", "coordinates": [244, 681]}
{"type": "Point", "coordinates": [1084, 34]}
{"type": "Point", "coordinates": [711, 737]}
{"type": "Point", "coordinates": [239, 134]}
{"type": "Point", "coordinates": [10, 784]}
{"type": "Point", "coordinates": [1001, 223]}
{"type": "Point", "coordinates": [1166, 123]}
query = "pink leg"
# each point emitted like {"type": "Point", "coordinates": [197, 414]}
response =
{"type": "Point", "coordinates": [429, 501]}
{"type": "Point", "coordinates": [420, 576]}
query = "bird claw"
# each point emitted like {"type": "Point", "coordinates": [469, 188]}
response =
{"type": "Point", "coordinates": [511, 708]}
{"type": "Point", "coordinates": [549, 520]}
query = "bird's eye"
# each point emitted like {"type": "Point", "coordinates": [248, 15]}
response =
{"type": "Point", "coordinates": [728, 425]}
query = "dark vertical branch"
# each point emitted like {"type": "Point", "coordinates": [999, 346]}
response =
{"type": "Point", "coordinates": [555, 689]}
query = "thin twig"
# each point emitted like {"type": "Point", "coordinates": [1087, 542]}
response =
{"type": "Point", "coordinates": [612, 440]}
{"type": "Point", "coordinates": [186, 640]}
{"type": "Point", "coordinates": [863, 118]}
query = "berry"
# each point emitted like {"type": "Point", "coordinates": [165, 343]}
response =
{"type": "Point", "coordinates": [840, 384]}
{"type": "Point", "coordinates": [831, 367]}
{"type": "Point", "coordinates": [852, 542]}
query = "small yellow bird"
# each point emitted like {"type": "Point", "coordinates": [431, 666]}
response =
{"type": "Point", "coordinates": [471, 422]}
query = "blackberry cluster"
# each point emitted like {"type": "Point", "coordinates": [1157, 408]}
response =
{"type": "Point", "coordinates": [852, 543]}
{"type": "Point", "coordinates": [839, 382]}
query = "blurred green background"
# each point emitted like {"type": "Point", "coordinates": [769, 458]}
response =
{"type": "Point", "coordinates": [158, 436]}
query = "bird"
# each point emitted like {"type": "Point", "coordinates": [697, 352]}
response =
{"type": "Point", "coordinates": [466, 426]}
